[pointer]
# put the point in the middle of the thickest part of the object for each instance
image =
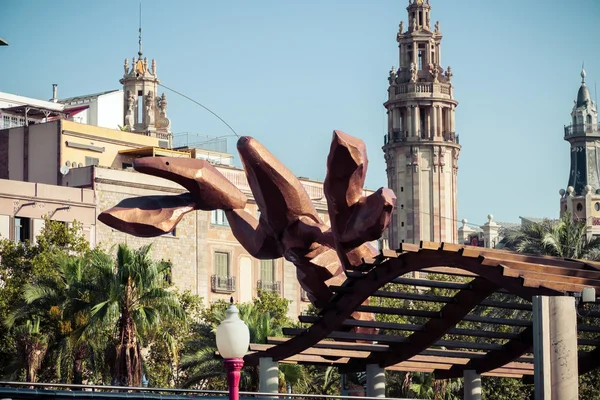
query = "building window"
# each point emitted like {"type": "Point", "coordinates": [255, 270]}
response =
{"type": "Point", "coordinates": [222, 281]}
{"type": "Point", "coordinates": [91, 161]}
{"type": "Point", "coordinates": [126, 165]}
{"type": "Point", "coordinates": [420, 60]}
{"type": "Point", "coordinates": [217, 217]}
{"type": "Point", "coordinates": [267, 280]}
{"type": "Point", "coordinates": [579, 207]}
{"type": "Point", "coordinates": [267, 270]}
{"type": "Point", "coordinates": [22, 229]}
{"type": "Point", "coordinates": [221, 264]}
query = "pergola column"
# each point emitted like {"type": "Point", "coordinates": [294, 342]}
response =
{"type": "Point", "coordinates": [472, 385]}
{"type": "Point", "coordinates": [555, 348]}
{"type": "Point", "coordinates": [268, 375]}
{"type": "Point", "coordinates": [375, 381]}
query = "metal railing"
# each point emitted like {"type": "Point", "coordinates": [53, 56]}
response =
{"type": "Point", "coordinates": [582, 129]}
{"type": "Point", "coordinates": [15, 390]}
{"type": "Point", "coordinates": [269, 286]}
{"type": "Point", "coordinates": [398, 136]}
{"type": "Point", "coordinates": [223, 283]}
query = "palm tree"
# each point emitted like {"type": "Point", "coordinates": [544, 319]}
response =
{"type": "Point", "coordinates": [565, 237]}
{"type": "Point", "coordinates": [32, 345]}
{"type": "Point", "coordinates": [130, 294]}
{"type": "Point", "coordinates": [63, 300]}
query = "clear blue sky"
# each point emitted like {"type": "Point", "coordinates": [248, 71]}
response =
{"type": "Point", "coordinates": [289, 72]}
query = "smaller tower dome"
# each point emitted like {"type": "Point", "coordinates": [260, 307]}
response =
{"type": "Point", "coordinates": [583, 95]}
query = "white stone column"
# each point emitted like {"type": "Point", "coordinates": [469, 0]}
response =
{"type": "Point", "coordinates": [472, 385]}
{"type": "Point", "coordinates": [490, 232]}
{"type": "Point", "coordinates": [268, 375]}
{"type": "Point", "coordinates": [416, 121]}
{"type": "Point", "coordinates": [555, 348]}
{"type": "Point", "coordinates": [452, 122]}
{"type": "Point", "coordinates": [375, 381]}
{"type": "Point", "coordinates": [434, 121]}
{"type": "Point", "coordinates": [409, 118]}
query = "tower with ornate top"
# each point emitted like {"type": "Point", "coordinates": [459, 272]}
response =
{"type": "Point", "coordinates": [421, 145]}
{"type": "Point", "coordinates": [582, 197]}
{"type": "Point", "coordinates": [145, 112]}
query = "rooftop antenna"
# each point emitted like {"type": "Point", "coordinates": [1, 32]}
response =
{"type": "Point", "coordinates": [140, 31]}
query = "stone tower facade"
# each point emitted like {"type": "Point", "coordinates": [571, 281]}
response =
{"type": "Point", "coordinates": [582, 197]}
{"type": "Point", "coordinates": [145, 111]}
{"type": "Point", "coordinates": [421, 146]}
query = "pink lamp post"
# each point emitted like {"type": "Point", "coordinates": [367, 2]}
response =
{"type": "Point", "coordinates": [233, 339]}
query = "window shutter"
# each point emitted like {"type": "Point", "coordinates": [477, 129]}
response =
{"type": "Point", "coordinates": [267, 270]}
{"type": "Point", "coordinates": [222, 264]}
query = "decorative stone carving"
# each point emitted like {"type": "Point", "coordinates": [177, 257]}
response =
{"type": "Point", "coordinates": [413, 72]}
{"type": "Point", "coordinates": [442, 158]}
{"type": "Point", "coordinates": [455, 153]}
{"type": "Point", "coordinates": [126, 66]}
{"type": "Point", "coordinates": [437, 27]}
{"type": "Point", "coordinates": [129, 115]}
{"type": "Point", "coordinates": [149, 109]}
{"type": "Point", "coordinates": [435, 72]}
{"type": "Point", "coordinates": [414, 24]}
{"type": "Point", "coordinates": [436, 158]}
{"type": "Point", "coordinates": [163, 121]}
{"type": "Point", "coordinates": [449, 73]}
{"type": "Point", "coordinates": [154, 67]}
{"type": "Point", "coordinates": [393, 75]}
{"type": "Point", "coordinates": [412, 156]}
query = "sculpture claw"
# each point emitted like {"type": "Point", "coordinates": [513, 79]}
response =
{"type": "Point", "coordinates": [148, 216]}
{"type": "Point", "coordinates": [210, 189]}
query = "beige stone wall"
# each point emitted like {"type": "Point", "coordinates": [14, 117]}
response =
{"type": "Point", "coordinates": [180, 249]}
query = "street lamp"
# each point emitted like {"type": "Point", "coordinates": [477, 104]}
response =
{"type": "Point", "coordinates": [233, 339]}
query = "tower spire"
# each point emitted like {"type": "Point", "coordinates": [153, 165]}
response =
{"type": "Point", "coordinates": [140, 32]}
{"type": "Point", "coordinates": [583, 73]}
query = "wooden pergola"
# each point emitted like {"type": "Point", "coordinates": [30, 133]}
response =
{"type": "Point", "coordinates": [503, 348]}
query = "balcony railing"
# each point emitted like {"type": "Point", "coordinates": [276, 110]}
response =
{"type": "Point", "coordinates": [398, 136]}
{"type": "Point", "coordinates": [419, 88]}
{"type": "Point", "coordinates": [268, 286]}
{"type": "Point", "coordinates": [222, 283]}
{"type": "Point", "coordinates": [582, 129]}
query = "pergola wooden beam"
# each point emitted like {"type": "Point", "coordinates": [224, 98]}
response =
{"type": "Point", "coordinates": [494, 359]}
{"type": "Point", "coordinates": [493, 271]}
{"type": "Point", "coordinates": [415, 328]}
{"type": "Point", "coordinates": [452, 313]}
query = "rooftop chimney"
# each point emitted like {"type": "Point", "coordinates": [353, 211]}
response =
{"type": "Point", "coordinates": [54, 92]}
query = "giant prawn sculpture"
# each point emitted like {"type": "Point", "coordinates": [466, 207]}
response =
{"type": "Point", "coordinates": [288, 226]}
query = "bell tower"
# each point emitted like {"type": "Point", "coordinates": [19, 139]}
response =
{"type": "Point", "coordinates": [421, 145]}
{"type": "Point", "coordinates": [582, 197]}
{"type": "Point", "coordinates": [145, 112]}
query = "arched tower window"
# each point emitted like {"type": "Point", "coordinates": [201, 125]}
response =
{"type": "Point", "coordinates": [140, 107]}
{"type": "Point", "coordinates": [588, 119]}
{"type": "Point", "coordinates": [420, 60]}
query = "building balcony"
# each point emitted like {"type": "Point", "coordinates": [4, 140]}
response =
{"type": "Point", "coordinates": [397, 136]}
{"type": "Point", "coordinates": [268, 286]}
{"type": "Point", "coordinates": [222, 283]}
{"type": "Point", "coordinates": [420, 89]}
{"type": "Point", "coordinates": [582, 130]}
